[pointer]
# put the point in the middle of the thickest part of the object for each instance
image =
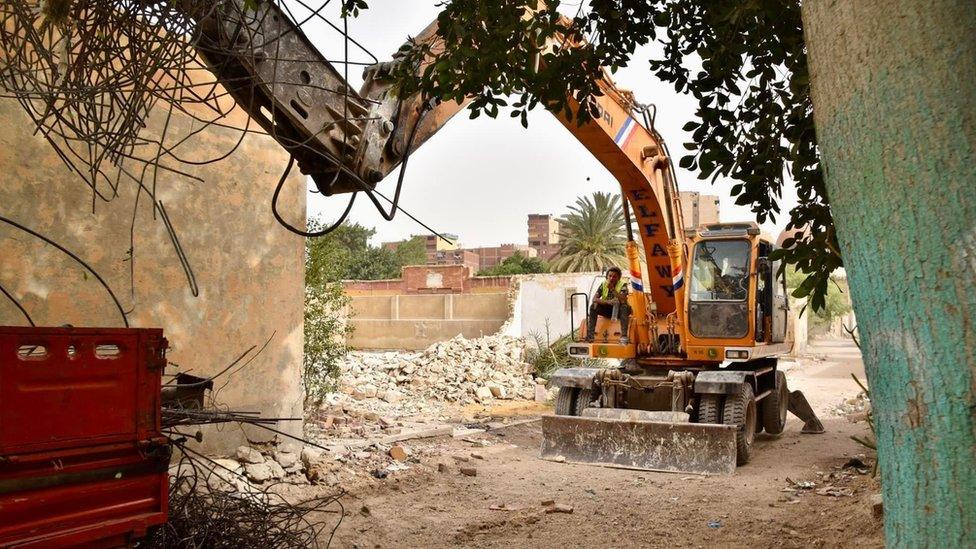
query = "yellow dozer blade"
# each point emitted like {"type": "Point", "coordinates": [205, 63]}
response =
{"type": "Point", "coordinates": [636, 439]}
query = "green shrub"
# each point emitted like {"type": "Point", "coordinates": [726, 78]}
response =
{"type": "Point", "coordinates": [547, 356]}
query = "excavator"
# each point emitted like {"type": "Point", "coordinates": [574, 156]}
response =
{"type": "Point", "coordinates": [698, 376]}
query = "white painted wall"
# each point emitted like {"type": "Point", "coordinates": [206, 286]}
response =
{"type": "Point", "coordinates": [541, 298]}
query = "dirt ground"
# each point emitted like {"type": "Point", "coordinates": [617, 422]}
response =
{"type": "Point", "coordinates": [761, 505]}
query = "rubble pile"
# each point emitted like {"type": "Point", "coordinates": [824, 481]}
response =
{"type": "Point", "coordinates": [459, 370]}
{"type": "Point", "coordinates": [260, 466]}
{"type": "Point", "coordinates": [857, 406]}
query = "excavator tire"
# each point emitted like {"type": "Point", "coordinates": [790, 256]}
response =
{"type": "Point", "coordinates": [566, 401]}
{"type": "Point", "coordinates": [774, 406]}
{"type": "Point", "coordinates": [740, 410]}
{"type": "Point", "coordinates": [583, 399]}
{"type": "Point", "coordinates": [710, 408]}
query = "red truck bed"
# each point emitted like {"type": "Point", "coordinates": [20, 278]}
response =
{"type": "Point", "coordinates": [82, 458]}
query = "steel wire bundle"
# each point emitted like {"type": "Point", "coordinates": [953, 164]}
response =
{"type": "Point", "coordinates": [111, 84]}
{"type": "Point", "coordinates": [208, 510]}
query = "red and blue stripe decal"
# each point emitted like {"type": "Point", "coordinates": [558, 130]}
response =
{"type": "Point", "coordinates": [635, 281]}
{"type": "Point", "coordinates": [678, 280]}
{"type": "Point", "coordinates": [626, 132]}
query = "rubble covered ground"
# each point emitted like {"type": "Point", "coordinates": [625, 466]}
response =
{"type": "Point", "coordinates": [440, 465]}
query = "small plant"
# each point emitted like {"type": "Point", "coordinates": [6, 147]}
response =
{"type": "Point", "coordinates": [870, 441]}
{"type": "Point", "coordinates": [547, 356]}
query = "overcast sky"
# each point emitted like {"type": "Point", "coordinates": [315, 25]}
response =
{"type": "Point", "coordinates": [480, 178]}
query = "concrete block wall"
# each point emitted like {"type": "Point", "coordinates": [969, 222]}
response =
{"type": "Point", "coordinates": [533, 305]}
{"type": "Point", "coordinates": [523, 306]}
{"type": "Point", "coordinates": [249, 270]}
{"type": "Point", "coordinates": [417, 321]}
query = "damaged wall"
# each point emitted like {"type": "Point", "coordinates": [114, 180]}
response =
{"type": "Point", "coordinates": [249, 270]}
{"type": "Point", "coordinates": [542, 303]}
{"type": "Point", "coordinates": [416, 321]}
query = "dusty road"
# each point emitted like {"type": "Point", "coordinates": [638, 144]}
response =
{"type": "Point", "coordinates": [759, 506]}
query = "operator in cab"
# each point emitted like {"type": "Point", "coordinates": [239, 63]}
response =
{"type": "Point", "coordinates": [611, 294]}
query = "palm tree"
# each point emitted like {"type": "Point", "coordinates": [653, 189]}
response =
{"type": "Point", "coordinates": [592, 235]}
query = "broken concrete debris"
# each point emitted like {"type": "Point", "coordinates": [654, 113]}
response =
{"type": "Point", "coordinates": [877, 506]}
{"type": "Point", "coordinates": [258, 472]}
{"type": "Point", "coordinates": [398, 453]}
{"type": "Point", "coordinates": [459, 370]}
{"type": "Point", "coordinates": [284, 463]}
{"type": "Point", "coordinates": [854, 408]}
{"type": "Point", "coordinates": [247, 454]}
{"type": "Point", "coordinates": [286, 459]}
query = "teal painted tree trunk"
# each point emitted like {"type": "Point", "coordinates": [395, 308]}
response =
{"type": "Point", "coordinates": [894, 94]}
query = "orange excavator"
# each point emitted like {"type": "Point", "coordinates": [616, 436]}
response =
{"type": "Point", "coordinates": [696, 379]}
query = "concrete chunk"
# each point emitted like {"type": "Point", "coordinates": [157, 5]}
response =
{"type": "Point", "coordinates": [247, 454]}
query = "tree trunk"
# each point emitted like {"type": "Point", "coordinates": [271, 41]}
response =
{"type": "Point", "coordinates": [894, 94]}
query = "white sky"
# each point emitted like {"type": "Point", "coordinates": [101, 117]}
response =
{"type": "Point", "coordinates": [480, 178]}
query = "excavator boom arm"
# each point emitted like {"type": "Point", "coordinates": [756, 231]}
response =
{"type": "Point", "coordinates": [348, 141]}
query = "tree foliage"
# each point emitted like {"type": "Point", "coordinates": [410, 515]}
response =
{"type": "Point", "coordinates": [592, 235]}
{"type": "Point", "coordinates": [516, 264]}
{"type": "Point", "coordinates": [346, 254]}
{"type": "Point", "coordinates": [325, 333]}
{"type": "Point", "coordinates": [325, 328]}
{"type": "Point", "coordinates": [343, 254]}
{"type": "Point", "coordinates": [837, 302]}
{"type": "Point", "coordinates": [744, 62]}
{"type": "Point", "coordinates": [412, 251]}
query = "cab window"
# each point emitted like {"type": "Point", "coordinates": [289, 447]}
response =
{"type": "Point", "coordinates": [720, 271]}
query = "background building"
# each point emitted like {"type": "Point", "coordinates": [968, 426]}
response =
{"type": "Point", "coordinates": [493, 255]}
{"type": "Point", "coordinates": [699, 209]}
{"type": "Point", "coordinates": [437, 244]}
{"type": "Point", "coordinates": [544, 235]}
{"type": "Point", "coordinates": [467, 258]}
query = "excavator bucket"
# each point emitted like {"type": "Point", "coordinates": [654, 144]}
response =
{"type": "Point", "coordinates": [635, 439]}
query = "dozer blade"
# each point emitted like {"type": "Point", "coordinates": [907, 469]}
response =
{"type": "Point", "coordinates": [677, 447]}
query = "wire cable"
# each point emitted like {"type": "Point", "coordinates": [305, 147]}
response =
{"type": "Point", "coordinates": [80, 261]}
{"type": "Point", "coordinates": [296, 230]}
{"type": "Point", "coordinates": [17, 304]}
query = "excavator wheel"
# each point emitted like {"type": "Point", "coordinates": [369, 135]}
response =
{"type": "Point", "coordinates": [583, 399]}
{"type": "Point", "coordinates": [571, 401]}
{"type": "Point", "coordinates": [740, 410]}
{"type": "Point", "coordinates": [774, 406]}
{"type": "Point", "coordinates": [566, 401]}
{"type": "Point", "coordinates": [710, 409]}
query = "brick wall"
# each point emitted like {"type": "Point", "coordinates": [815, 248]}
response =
{"type": "Point", "coordinates": [429, 279]}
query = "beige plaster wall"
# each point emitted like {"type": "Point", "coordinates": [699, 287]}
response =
{"type": "Point", "coordinates": [417, 321]}
{"type": "Point", "coordinates": [249, 269]}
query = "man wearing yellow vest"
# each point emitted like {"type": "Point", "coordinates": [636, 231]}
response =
{"type": "Point", "coordinates": [611, 294]}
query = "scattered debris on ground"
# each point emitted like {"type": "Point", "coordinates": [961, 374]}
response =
{"type": "Point", "coordinates": [212, 503]}
{"type": "Point", "coordinates": [389, 397]}
{"type": "Point", "coordinates": [454, 474]}
{"type": "Point", "coordinates": [855, 408]}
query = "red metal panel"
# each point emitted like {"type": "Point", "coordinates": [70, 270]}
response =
{"type": "Point", "coordinates": [82, 459]}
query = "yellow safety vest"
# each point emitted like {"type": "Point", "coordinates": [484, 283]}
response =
{"type": "Point", "coordinates": [605, 292]}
